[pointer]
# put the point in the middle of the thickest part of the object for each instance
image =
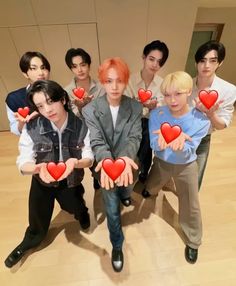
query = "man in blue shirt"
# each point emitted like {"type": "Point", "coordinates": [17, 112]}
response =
{"type": "Point", "coordinates": [177, 158]}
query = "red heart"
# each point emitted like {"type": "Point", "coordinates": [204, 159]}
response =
{"type": "Point", "coordinates": [144, 95]}
{"type": "Point", "coordinates": [169, 132]}
{"type": "Point", "coordinates": [56, 170]}
{"type": "Point", "coordinates": [113, 168]}
{"type": "Point", "coordinates": [23, 111]}
{"type": "Point", "coordinates": [79, 92]}
{"type": "Point", "coordinates": [208, 98]}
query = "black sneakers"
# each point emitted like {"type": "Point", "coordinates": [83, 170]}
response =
{"type": "Point", "coordinates": [117, 259]}
{"type": "Point", "coordinates": [191, 254]}
{"type": "Point", "coordinates": [14, 257]}
{"type": "Point", "coordinates": [84, 220]}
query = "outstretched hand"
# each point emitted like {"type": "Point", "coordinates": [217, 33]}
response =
{"type": "Point", "coordinates": [105, 181]}
{"type": "Point", "coordinates": [176, 144]}
{"type": "Point", "coordinates": [209, 112]}
{"type": "Point", "coordinates": [126, 177]}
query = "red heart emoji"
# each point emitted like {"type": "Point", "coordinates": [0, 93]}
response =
{"type": "Point", "coordinates": [208, 98]}
{"type": "Point", "coordinates": [169, 132]}
{"type": "Point", "coordinates": [23, 111]}
{"type": "Point", "coordinates": [79, 92]}
{"type": "Point", "coordinates": [113, 168]}
{"type": "Point", "coordinates": [56, 170]}
{"type": "Point", "coordinates": [144, 95]}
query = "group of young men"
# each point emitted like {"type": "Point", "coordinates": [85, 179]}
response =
{"type": "Point", "coordinates": [109, 121]}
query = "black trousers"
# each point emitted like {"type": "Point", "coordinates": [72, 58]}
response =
{"type": "Point", "coordinates": [145, 151]}
{"type": "Point", "coordinates": [41, 205]}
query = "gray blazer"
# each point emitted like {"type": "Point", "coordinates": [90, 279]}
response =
{"type": "Point", "coordinates": [107, 142]}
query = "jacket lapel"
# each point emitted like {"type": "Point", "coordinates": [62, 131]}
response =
{"type": "Point", "coordinates": [105, 118]}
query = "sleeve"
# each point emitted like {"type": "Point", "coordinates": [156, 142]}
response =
{"type": "Point", "coordinates": [190, 147]}
{"type": "Point", "coordinates": [226, 109]}
{"type": "Point", "coordinates": [13, 122]}
{"type": "Point", "coordinates": [26, 152]}
{"type": "Point", "coordinates": [100, 147]}
{"type": "Point", "coordinates": [86, 150]}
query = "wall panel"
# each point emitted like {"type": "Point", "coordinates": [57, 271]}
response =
{"type": "Point", "coordinates": [85, 36]}
{"type": "Point", "coordinates": [9, 59]}
{"type": "Point", "coordinates": [16, 13]}
{"type": "Point", "coordinates": [56, 41]}
{"type": "Point", "coordinates": [172, 24]}
{"type": "Point", "coordinates": [122, 27]}
{"type": "Point", "coordinates": [4, 125]}
{"type": "Point", "coordinates": [27, 39]}
{"type": "Point", "coordinates": [63, 12]}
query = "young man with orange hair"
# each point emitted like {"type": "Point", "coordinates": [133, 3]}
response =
{"type": "Point", "coordinates": [114, 121]}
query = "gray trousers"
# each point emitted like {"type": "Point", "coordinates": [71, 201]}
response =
{"type": "Point", "coordinates": [186, 181]}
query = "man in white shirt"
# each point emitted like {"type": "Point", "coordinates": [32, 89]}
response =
{"type": "Point", "coordinates": [57, 135]}
{"type": "Point", "coordinates": [209, 57]}
{"type": "Point", "coordinates": [154, 57]}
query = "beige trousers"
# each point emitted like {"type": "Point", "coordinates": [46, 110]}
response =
{"type": "Point", "coordinates": [185, 177]}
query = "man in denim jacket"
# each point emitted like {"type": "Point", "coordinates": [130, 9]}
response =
{"type": "Point", "coordinates": [57, 135]}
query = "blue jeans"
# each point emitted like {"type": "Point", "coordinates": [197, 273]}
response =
{"type": "Point", "coordinates": [202, 156]}
{"type": "Point", "coordinates": [111, 200]}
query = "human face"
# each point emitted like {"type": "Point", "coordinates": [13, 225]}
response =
{"type": "Point", "coordinates": [79, 68]}
{"type": "Point", "coordinates": [37, 71]}
{"type": "Point", "coordinates": [53, 111]}
{"type": "Point", "coordinates": [177, 101]}
{"type": "Point", "coordinates": [151, 62]}
{"type": "Point", "coordinates": [114, 87]}
{"type": "Point", "coordinates": [207, 66]}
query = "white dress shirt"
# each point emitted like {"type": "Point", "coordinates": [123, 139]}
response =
{"type": "Point", "coordinates": [136, 82]}
{"type": "Point", "coordinates": [226, 92]}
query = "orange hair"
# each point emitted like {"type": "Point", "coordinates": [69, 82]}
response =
{"type": "Point", "coordinates": [119, 65]}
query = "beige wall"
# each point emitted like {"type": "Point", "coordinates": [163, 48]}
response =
{"type": "Point", "coordinates": [103, 27]}
{"type": "Point", "coordinates": [226, 16]}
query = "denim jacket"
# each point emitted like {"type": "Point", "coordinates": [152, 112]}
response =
{"type": "Point", "coordinates": [46, 144]}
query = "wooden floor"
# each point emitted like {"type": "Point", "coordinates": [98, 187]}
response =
{"type": "Point", "coordinates": [153, 248]}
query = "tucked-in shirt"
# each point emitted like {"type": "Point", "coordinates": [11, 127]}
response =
{"type": "Point", "coordinates": [226, 92]}
{"type": "Point", "coordinates": [136, 82]}
{"type": "Point", "coordinates": [27, 154]}
{"type": "Point", "coordinates": [95, 89]}
{"type": "Point", "coordinates": [194, 123]}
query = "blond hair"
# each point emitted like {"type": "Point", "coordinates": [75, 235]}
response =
{"type": "Point", "coordinates": [180, 80]}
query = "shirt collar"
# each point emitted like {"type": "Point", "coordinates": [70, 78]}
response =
{"type": "Point", "coordinates": [55, 128]}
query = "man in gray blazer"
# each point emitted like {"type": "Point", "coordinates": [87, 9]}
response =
{"type": "Point", "coordinates": [114, 122]}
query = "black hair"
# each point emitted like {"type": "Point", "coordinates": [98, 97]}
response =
{"type": "Point", "coordinates": [74, 53]}
{"type": "Point", "coordinates": [209, 46]}
{"type": "Point", "coordinates": [157, 45]}
{"type": "Point", "coordinates": [27, 57]}
{"type": "Point", "coordinates": [49, 88]}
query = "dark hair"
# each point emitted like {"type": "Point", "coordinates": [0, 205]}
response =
{"type": "Point", "coordinates": [74, 53]}
{"type": "Point", "coordinates": [157, 45]}
{"type": "Point", "coordinates": [50, 88]}
{"type": "Point", "coordinates": [209, 46]}
{"type": "Point", "coordinates": [27, 57]}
